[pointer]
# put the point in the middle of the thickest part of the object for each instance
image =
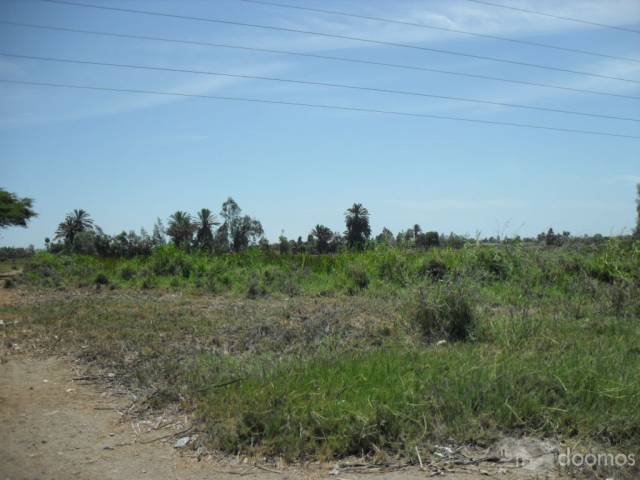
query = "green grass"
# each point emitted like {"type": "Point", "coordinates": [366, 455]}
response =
{"type": "Point", "coordinates": [326, 356]}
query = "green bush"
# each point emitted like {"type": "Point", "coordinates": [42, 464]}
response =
{"type": "Point", "coordinates": [127, 273]}
{"type": "Point", "coordinates": [393, 268]}
{"type": "Point", "coordinates": [255, 288]}
{"type": "Point", "coordinates": [494, 263]}
{"type": "Point", "coordinates": [444, 312]}
{"type": "Point", "coordinates": [434, 269]}
{"type": "Point", "coordinates": [358, 275]}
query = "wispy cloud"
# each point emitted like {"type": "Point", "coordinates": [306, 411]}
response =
{"type": "Point", "coordinates": [458, 15]}
{"type": "Point", "coordinates": [111, 104]}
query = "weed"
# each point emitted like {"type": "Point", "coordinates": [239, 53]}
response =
{"type": "Point", "coordinates": [434, 269]}
{"type": "Point", "coordinates": [359, 277]}
{"type": "Point", "coordinates": [444, 312]}
{"type": "Point", "coordinates": [255, 288]}
{"type": "Point", "coordinates": [127, 273]}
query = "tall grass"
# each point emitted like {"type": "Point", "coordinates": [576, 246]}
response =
{"type": "Point", "coordinates": [311, 356]}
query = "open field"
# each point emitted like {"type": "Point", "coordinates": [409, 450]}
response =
{"type": "Point", "coordinates": [369, 354]}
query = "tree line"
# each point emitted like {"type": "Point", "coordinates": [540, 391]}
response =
{"type": "Point", "coordinates": [234, 231]}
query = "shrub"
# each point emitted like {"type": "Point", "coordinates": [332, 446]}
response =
{"type": "Point", "coordinates": [434, 269]}
{"type": "Point", "coordinates": [444, 312]}
{"type": "Point", "coordinates": [392, 268]}
{"type": "Point", "coordinates": [255, 288]}
{"type": "Point", "coordinates": [127, 273]}
{"type": "Point", "coordinates": [359, 277]}
{"type": "Point", "coordinates": [494, 263]}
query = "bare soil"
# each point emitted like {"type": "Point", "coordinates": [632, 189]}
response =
{"type": "Point", "coordinates": [56, 425]}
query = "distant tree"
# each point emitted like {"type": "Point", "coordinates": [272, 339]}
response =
{"type": "Point", "coordinates": [264, 245]}
{"type": "Point", "coordinates": [385, 237]}
{"type": "Point", "coordinates": [230, 213]}
{"type": "Point", "coordinates": [637, 232]}
{"type": "Point", "coordinates": [408, 237]}
{"type": "Point", "coordinates": [431, 239]}
{"type": "Point", "coordinates": [358, 228]}
{"type": "Point", "coordinates": [84, 243]}
{"type": "Point", "coordinates": [337, 243]}
{"type": "Point", "coordinates": [241, 230]}
{"type": "Point", "coordinates": [158, 237]}
{"type": "Point", "coordinates": [221, 239]}
{"type": "Point", "coordinates": [74, 223]}
{"type": "Point", "coordinates": [322, 236]}
{"type": "Point", "coordinates": [205, 223]}
{"type": "Point", "coordinates": [283, 244]}
{"type": "Point", "coordinates": [15, 211]}
{"type": "Point", "coordinates": [181, 228]}
{"type": "Point", "coordinates": [300, 246]}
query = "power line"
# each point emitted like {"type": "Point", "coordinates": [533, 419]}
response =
{"type": "Point", "coordinates": [558, 17]}
{"type": "Point", "coordinates": [442, 29]}
{"type": "Point", "coordinates": [316, 56]}
{"type": "Point", "coordinates": [320, 106]}
{"type": "Point", "coordinates": [316, 83]}
{"type": "Point", "coordinates": [343, 37]}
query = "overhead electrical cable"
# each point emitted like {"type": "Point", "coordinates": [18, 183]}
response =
{"type": "Point", "coordinates": [343, 37]}
{"type": "Point", "coordinates": [316, 56]}
{"type": "Point", "coordinates": [320, 106]}
{"type": "Point", "coordinates": [558, 17]}
{"type": "Point", "coordinates": [440, 28]}
{"type": "Point", "coordinates": [315, 83]}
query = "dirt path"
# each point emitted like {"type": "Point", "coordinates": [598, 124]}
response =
{"type": "Point", "coordinates": [54, 428]}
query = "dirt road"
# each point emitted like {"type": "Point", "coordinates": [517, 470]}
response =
{"type": "Point", "coordinates": [55, 427]}
{"type": "Point", "coordinates": [52, 427]}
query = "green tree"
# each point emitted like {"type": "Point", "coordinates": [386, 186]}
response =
{"type": "Point", "coordinates": [158, 237]}
{"type": "Point", "coordinates": [241, 230]}
{"type": "Point", "coordinates": [637, 232]}
{"type": "Point", "coordinates": [322, 237]}
{"type": "Point", "coordinates": [386, 237]}
{"type": "Point", "coordinates": [15, 211]}
{"type": "Point", "coordinates": [283, 244]}
{"type": "Point", "coordinates": [204, 234]}
{"type": "Point", "coordinates": [74, 223]}
{"type": "Point", "coordinates": [181, 228]}
{"type": "Point", "coordinates": [358, 228]}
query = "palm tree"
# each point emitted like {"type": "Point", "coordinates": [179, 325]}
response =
{"type": "Point", "coordinates": [82, 220]}
{"type": "Point", "coordinates": [323, 236]}
{"type": "Point", "coordinates": [205, 223]}
{"type": "Point", "coordinates": [358, 228]}
{"type": "Point", "coordinates": [74, 223]}
{"type": "Point", "coordinates": [181, 228]}
{"type": "Point", "coordinates": [15, 211]}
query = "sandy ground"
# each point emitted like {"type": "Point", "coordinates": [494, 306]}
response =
{"type": "Point", "coordinates": [54, 426]}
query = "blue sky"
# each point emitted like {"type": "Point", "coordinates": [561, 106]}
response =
{"type": "Point", "coordinates": [130, 158]}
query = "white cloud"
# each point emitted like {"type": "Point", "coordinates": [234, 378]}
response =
{"type": "Point", "coordinates": [105, 103]}
{"type": "Point", "coordinates": [458, 15]}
